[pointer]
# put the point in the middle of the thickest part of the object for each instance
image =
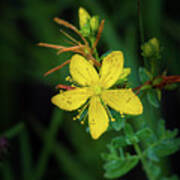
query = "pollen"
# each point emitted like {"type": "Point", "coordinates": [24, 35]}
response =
{"type": "Point", "coordinates": [68, 78]}
{"type": "Point", "coordinates": [82, 122]}
{"type": "Point", "coordinates": [113, 119]}
{"type": "Point", "coordinates": [122, 115]}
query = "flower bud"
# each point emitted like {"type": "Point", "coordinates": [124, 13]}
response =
{"type": "Point", "coordinates": [151, 49]}
{"type": "Point", "coordinates": [94, 23]}
{"type": "Point", "coordinates": [84, 17]}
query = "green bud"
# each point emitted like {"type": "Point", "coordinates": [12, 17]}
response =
{"type": "Point", "coordinates": [86, 30]}
{"type": "Point", "coordinates": [94, 23]}
{"type": "Point", "coordinates": [151, 49]}
{"type": "Point", "coordinates": [84, 17]}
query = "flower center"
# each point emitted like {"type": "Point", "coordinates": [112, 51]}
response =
{"type": "Point", "coordinates": [97, 90]}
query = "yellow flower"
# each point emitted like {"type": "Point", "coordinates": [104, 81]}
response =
{"type": "Point", "coordinates": [95, 87]}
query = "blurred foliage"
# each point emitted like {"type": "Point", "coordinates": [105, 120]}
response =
{"type": "Point", "coordinates": [44, 141]}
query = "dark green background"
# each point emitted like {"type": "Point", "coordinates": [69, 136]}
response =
{"type": "Point", "coordinates": [25, 93]}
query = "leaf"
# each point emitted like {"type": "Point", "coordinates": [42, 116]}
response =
{"type": "Point", "coordinates": [166, 143]}
{"type": "Point", "coordinates": [155, 169]}
{"type": "Point", "coordinates": [167, 147]}
{"type": "Point", "coordinates": [144, 75]}
{"type": "Point", "coordinates": [152, 155]}
{"type": "Point", "coordinates": [128, 130]}
{"type": "Point", "coordinates": [120, 167]}
{"type": "Point", "coordinates": [119, 142]}
{"type": "Point", "coordinates": [166, 134]}
{"type": "Point", "coordinates": [144, 133]}
{"type": "Point", "coordinates": [131, 138]}
{"type": "Point", "coordinates": [153, 98]}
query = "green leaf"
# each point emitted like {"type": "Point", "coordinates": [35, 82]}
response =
{"type": "Point", "coordinates": [131, 138]}
{"type": "Point", "coordinates": [153, 98]}
{"type": "Point", "coordinates": [128, 130]}
{"type": "Point", "coordinates": [166, 134]}
{"type": "Point", "coordinates": [119, 167]}
{"type": "Point", "coordinates": [144, 75]}
{"type": "Point", "coordinates": [167, 147]}
{"type": "Point", "coordinates": [155, 169]}
{"type": "Point", "coordinates": [119, 142]}
{"type": "Point", "coordinates": [144, 133]}
{"type": "Point", "coordinates": [152, 155]}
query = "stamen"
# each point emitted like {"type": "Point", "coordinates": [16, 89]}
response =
{"type": "Point", "coordinates": [109, 113]}
{"type": "Point", "coordinates": [82, 109]}
{"type": "Point", "coordinates": [69, 79]}
{"type": "Point", "coordinates": [84, 119]}
{"type": "Point", "coordinates": [113, 119]}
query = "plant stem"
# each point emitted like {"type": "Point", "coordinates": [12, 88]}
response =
{"type": "Point", "coordinates": [144, 162]}
{"type": "Point", "coordinates": [48, 144]}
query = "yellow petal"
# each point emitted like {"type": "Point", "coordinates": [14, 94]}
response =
{"type": "Point", "coordinates": [98, 118]}
{"type": "Point", "coordinates": [125, 73]}
{"type": "Point", "coordinates": [111, 69]}
{"type": "Point", "coordinates": [123, 100]}
{"type": "Point", "coordinates": [83, 17]}
{"type": "Point", "coordinates": [72, 99]}
{"type": "Point", "coordinates": [83, 71]}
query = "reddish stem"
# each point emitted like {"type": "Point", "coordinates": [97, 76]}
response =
{"type": "Point", "coordinates": [165, 81]}
{"type": "Point", "coordinates": [61, 86]}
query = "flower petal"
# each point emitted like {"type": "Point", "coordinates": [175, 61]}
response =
{"type": "Point", "coordinates": [72, 99]}
{"type": "Point", "coordinates": [123, 100]}
{"type": "Point", "coordinates": [111, 69]}
{"type": "Point", "coordinates": [125, 73]}
{"type": "Point", "coordinates": [98, 118]}
{"type": "Point", "coordinates": [83, 71]}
